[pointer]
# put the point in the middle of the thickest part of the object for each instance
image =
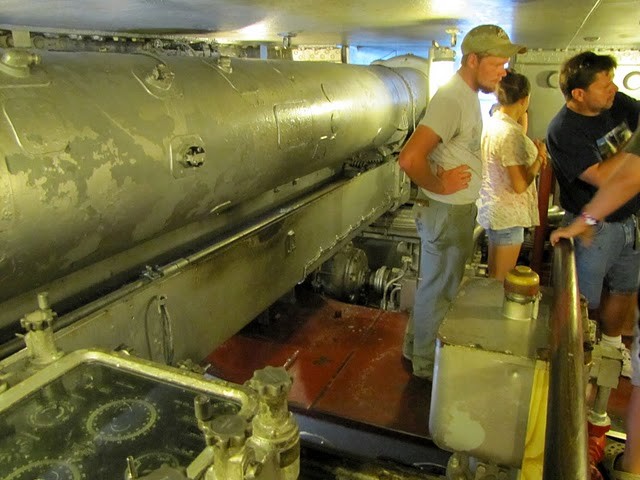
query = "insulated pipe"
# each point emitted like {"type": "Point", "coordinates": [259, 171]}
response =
{"type": "Point", "coordinates": [105, 151]}
{"type": "Point", "coordinates": [566, 444]}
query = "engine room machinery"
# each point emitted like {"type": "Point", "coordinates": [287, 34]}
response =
{"type": "Point", "coordinates": [141, 184]}
{"type": "Point", "coordinates": [95, 414]}
{"type": "Point", "coordinates": [155, 198]}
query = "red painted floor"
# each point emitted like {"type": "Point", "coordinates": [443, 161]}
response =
{"type": "Point", "coordinates": [346, 361]}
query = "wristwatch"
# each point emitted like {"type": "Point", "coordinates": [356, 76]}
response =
{"type": "Point", "coordinates": [589, 219]}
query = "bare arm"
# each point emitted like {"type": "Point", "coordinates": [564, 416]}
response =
{"type": "Point", "coordinates": [522, 176]}
{"type": "Point", "coordinates": [619, 188]}
{"type": "Point", "coordinates": [598, 174]}
{"type": "Point", "coordinates": [414, 160]}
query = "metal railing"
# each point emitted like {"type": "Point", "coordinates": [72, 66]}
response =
{"type": "Point", "coordinates": [566, 447]}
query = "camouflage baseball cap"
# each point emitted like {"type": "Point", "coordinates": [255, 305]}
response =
{"type": "Point", "coordinates": [490, 40]}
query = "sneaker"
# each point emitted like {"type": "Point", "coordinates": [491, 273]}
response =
{"type": "Point", "coordinates": [626, 362]}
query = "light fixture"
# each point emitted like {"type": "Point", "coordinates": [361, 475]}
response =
{"type": "Point", "coordinates": [553, 80]}
{"type": "Point", "coordinates": [441, 67]}
{"type": "Point", "coordinates": [632, 81]}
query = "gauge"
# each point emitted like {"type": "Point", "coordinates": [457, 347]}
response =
{"type": "Point", "coordinates": [51, 414]}
{"type": "Point", "coordinates": [122, 420]}
{"type": "Point", "coordinates": [47, 470]}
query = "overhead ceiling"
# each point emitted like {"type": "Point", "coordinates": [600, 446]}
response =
{"type": "Point", "coordinates": [544, 24]}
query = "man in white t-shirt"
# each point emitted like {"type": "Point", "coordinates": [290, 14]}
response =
{"type": "Point", "coordinates": [443, 158]}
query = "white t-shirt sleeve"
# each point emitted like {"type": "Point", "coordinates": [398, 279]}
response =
{"type": "Point", "coordinates": [441, 116]}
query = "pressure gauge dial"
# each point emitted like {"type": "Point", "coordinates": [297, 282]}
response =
{"type": "Point", "coordinates": [122, 420]}
{"type": "Point", "coordinates": [47, 470]}
{"type": "Point", "coordinates": [51, 415]}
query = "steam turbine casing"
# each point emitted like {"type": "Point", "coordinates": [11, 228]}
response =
{"type": "Point", "coordinates": [103, 151]}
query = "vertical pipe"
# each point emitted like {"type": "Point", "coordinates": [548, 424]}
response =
{"type": "Point", "coordinates": [544, 191]}
{"type": "Point", "coordinates": [345, 54]}
{"type": "Point", "coordinates": [566, 453]}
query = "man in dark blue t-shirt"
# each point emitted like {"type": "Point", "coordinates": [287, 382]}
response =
{"type": "Point", "coordinates": [583, 140]}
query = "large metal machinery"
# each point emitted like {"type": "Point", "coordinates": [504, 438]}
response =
{"type": "Point", "coordinates": [141, 184]}
{"type": "Point", "coordinates": [164, 195]}
{"type": "Point", "coordinates": [155, 197]}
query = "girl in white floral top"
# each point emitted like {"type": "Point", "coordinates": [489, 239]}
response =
{"type": "Point", "coordinates": [511, 161]}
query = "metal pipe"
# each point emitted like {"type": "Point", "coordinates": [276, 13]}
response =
{"type": "Point", "coordinates": [244, 396]}
{"type": "Point", "coordinates": [16, 344]}
{"type": "Point", "coordinates": [103, 152]}
{"type": "Point", "coordinates": [387, 285]}
{"type": "Point", "coordinates": [566, 454]}
{"type": "Point", "coordinates": [600, 403]}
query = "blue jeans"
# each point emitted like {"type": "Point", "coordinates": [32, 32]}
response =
{"type": "Point", "coordinates": [609, 260]}
{"type": "Point", "coordinates": [446, 234]}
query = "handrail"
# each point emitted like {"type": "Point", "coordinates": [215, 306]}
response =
{"type": "Point", "coordinates": [566, 454]}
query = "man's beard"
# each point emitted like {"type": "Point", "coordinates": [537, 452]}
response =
{"type": "Point", "coordinates": [485, 89]}
{"type": "Point", "coordinates": [606, 107]}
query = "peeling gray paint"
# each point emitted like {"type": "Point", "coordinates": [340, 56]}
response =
{"type": "Point", "coordinates": [89, 154]}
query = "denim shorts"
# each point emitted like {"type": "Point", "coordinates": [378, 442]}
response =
{"type": "Point", "coordinates": [506, 236]}
{"type": "Point", "coordinates": [609, 260]}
